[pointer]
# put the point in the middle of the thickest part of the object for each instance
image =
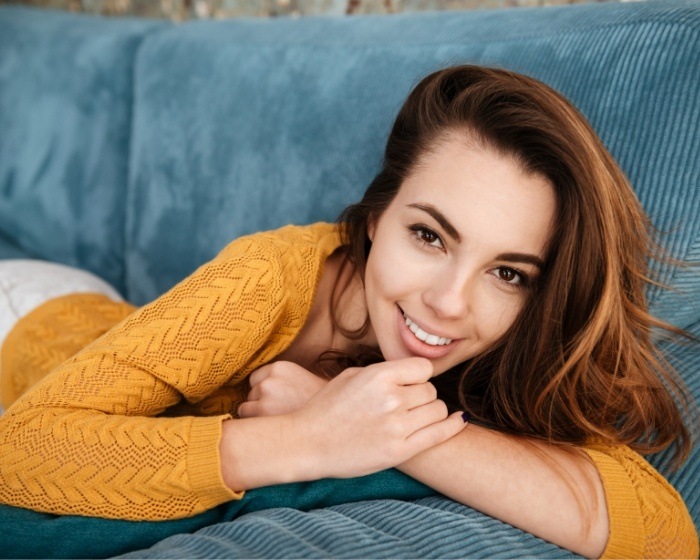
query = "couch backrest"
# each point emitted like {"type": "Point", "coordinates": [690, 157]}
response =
{"type": "Point", "coordinates": [65, 124]}
{"type": "Point", "coordinates": [250, 124]}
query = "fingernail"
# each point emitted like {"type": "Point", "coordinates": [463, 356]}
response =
{"type": "Point", "coordinates": [466, 417]}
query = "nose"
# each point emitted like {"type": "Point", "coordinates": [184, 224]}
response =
{"type": "Point", "coordinates": [449, 295]}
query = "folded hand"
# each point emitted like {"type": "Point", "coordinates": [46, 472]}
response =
{"type": "Point", "coordinates": [279, 388]}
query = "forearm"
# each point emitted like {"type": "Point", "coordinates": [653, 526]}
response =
{"type": "Point", "coordinates": [262, 451]}
{"type": "Point", "coordinates": [84, 463]}
{"type": "Point", "coordinates": [552, 493]}
{"type": "Point", "coordinates": [364, 420]}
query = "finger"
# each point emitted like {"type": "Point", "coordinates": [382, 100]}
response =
{"type": "Point", "coordinates": [418, 395]}
{"type": "Point", "coordinates": [351, 372]}
{"type": "Point", "coordinates": [425, 415]}
{"type": "Point", "coordinates": [255, 393]}
{"type": "Point", "coordinates": [436, 433]}
{"type": "Point", "coordinates": [409, 371]}
{"type": "Point", "coordinates": [259, 374]}
{"type": "Point", "coordinates": [249, 409]}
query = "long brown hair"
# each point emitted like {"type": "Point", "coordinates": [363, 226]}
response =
{"type": "Point", "coordinates": [579, 363]}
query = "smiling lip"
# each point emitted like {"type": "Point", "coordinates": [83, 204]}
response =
{"type": "Point", "coordinates": [417, 347]}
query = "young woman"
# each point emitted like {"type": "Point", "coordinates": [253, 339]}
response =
{"type": "Point", "coordinates": [499, 255]}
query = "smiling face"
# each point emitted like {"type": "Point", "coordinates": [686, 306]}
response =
{"type": "Point", "coordinates": [454, 253]}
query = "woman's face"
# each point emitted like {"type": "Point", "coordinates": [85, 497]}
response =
{"type": "Point", "coordinates": [454, 253]}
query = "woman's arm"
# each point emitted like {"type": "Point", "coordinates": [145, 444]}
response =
{"type": "Point", "coordinates": [556, 494]}
{"type": "Point", "coordinates": [363, 421]}
{"type": "Point", "coordinates": [599, 500]}
{"type": "Point", "coordinates": [86, 440]}
{"type": "Point", "coordinates": [539, 488]}
{"type": "Point", "coordinates": [542, 489]}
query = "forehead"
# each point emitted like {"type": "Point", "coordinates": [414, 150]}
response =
{"type": "Point", "coordinates": [485, 195]}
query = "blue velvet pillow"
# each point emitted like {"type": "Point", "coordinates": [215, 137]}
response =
{"type": "Point", "coordinates": [65, 117]}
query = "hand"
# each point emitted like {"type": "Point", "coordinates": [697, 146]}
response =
{"type": "Point", "coordinates": [372, 418]}
{"type": "Point", "coordinates": [279, 388]}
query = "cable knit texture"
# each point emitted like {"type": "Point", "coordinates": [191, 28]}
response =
{"type": "Point", "coordinates": [648, 518]}
{"type": "Point", "coordinates": [51, 334]}
{"type": "Point", "coordinates": [129, 427]}
{"type": "Point", "coordinates": [93, 438]}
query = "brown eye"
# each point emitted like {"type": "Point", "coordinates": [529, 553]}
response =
{"type": "Point", "coordinates": [428, 236]}
{"type": "Point", "coordinates": [511, 276]}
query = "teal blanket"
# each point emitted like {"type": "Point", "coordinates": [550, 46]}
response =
{"type": "Point", "coordinates": [28, 534]}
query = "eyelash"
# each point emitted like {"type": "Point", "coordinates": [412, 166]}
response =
{"type": "Point", "coordinates": [524, 279]}
{"type": "Point", "coordinates": [417, 232]}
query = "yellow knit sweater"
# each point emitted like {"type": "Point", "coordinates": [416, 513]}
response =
{"type": "Point", "coordinates": [129, 426]}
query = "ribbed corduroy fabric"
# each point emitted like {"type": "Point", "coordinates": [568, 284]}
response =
{"type": "Point", "coordinates": [685, 356]}
{"type": "Point", "coordinates": [427, 528]}
{"type": "Point", "coordinates": [432, 527]}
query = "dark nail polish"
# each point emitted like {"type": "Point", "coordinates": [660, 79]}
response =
{"type": "Point", "coordinates": [466, 417]}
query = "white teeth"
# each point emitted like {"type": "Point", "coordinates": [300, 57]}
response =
{"type": "Point", "coordinates": [432, 339]}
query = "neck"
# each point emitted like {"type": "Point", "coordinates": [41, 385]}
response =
{"type": "Point", "coordinates": [336, 318]}
{"type": "Point", "coordinates": [348, 309]}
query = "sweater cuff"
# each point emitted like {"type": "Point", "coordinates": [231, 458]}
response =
{"type": "Point", "coordinates": [204, 463]}
{"type": "Point", "coordinates": [625, 537]}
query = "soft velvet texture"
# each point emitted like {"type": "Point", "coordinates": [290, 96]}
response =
{"type": "Point", "coordinates": [8, 250]}
{"type": "Point", "coordinates": [65, 125]}
{"type": "Point", "coordinates": [282, 121]}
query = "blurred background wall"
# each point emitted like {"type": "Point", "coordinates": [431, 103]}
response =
{"type": "Point", "coordinates": [179, 10]}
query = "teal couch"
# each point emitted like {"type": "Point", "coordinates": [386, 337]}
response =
{"type": "Point", "coordinates": [138, 149]}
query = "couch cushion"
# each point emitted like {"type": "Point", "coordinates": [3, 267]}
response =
{"type": "Point", "coordinates": [686, 359]}
{"type": "Point", "coordinates": [65, 117]}
{"type": "Point", "coordinates": [9, 250]}
{"type": "Point", "coordinates": [249, 124]}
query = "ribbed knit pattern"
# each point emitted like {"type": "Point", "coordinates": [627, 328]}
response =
{"type": "Point", "coordinates": [88, 441]}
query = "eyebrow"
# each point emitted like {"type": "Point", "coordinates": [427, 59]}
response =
{"type": "Point", "coordinates": [454, 234]}
{"type": "Point", "coordinates": [521, 258]}
{"type": "Point", "coordinates": [440, 218]}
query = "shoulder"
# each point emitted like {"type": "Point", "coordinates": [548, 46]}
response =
{"type": "Point", "coordinates": [645, 511]}
{"type": "Point", "coordinates": [287, 243]}
{"type": "Point", "coordinates": [285, 264]}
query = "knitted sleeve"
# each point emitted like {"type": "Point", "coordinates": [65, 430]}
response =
{"type": "Point", "coordinates": [648, 518]}
{"type": "Point", "coordinates": [85, 440]}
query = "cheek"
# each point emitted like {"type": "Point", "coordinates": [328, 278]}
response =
{"type": "Point", "coordinates": [386, 271]}
{"type": "Point", "coordinates": [496, 315]}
